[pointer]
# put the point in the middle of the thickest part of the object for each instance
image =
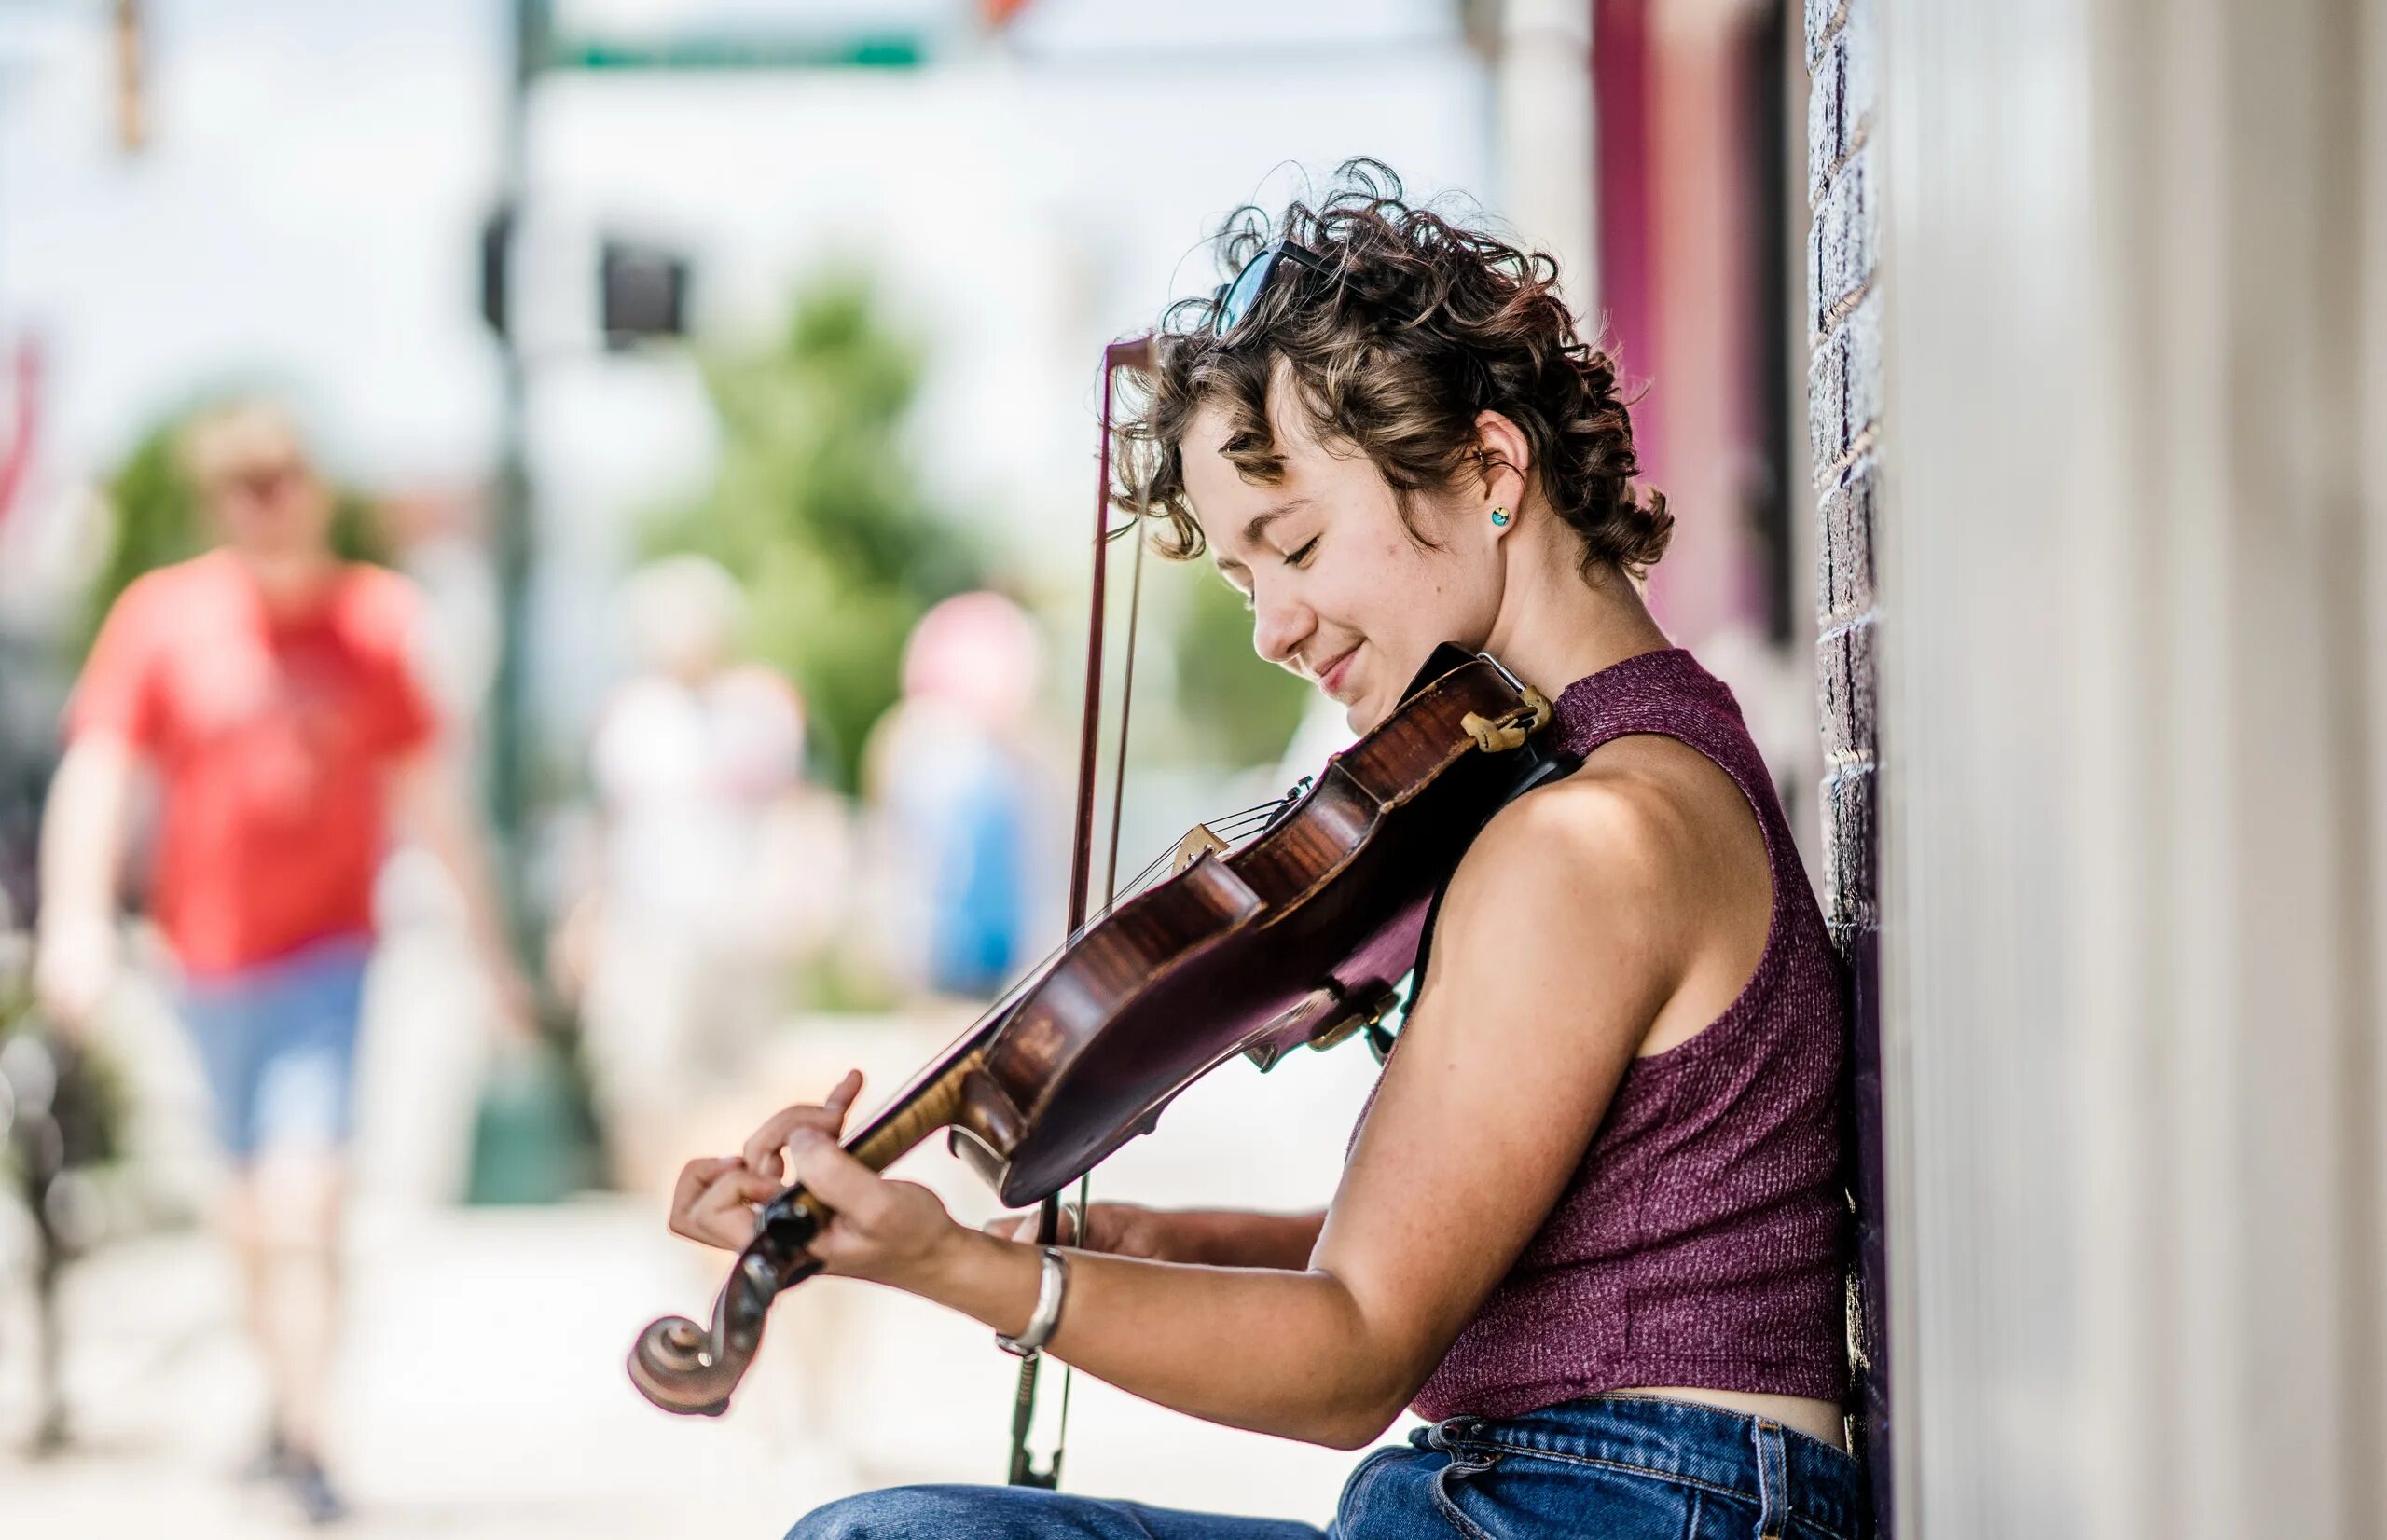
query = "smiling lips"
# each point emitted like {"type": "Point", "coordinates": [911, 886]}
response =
{"type": "Point", "coordinates": [1331, 680]}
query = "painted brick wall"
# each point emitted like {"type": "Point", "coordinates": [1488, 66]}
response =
{"type": "Point", "coordinates": [1845, 408]}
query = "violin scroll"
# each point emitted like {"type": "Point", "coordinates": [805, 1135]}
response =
{"type": "Point", "coordinates": [691, 1370]}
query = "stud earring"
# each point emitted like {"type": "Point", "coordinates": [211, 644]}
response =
{"type": "Point", "coordinates": [1501, 517]}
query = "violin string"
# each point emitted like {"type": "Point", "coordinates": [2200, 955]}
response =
{"type": "Point", "coordinates": [1126, 705]}
{"type": "Point", "coordinates": [1231, 827]}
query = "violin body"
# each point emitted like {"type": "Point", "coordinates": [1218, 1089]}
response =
{"type": "Point", "coordinates": [1294, 937]}
{"type": "Point", "coordinates": [1256, 951]}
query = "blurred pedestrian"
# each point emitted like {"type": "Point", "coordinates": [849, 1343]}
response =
{"type": "Point", "coordinates": [720, 866]}
{"type": "Point", "coordinates": [957, 792]}
{"type": "Point", "coordinates": [271, 689]}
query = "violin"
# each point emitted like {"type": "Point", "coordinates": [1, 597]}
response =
{"type": "Point", "coordinates": [1298, 935]}
{"type": "Point", "coordinates": [1291, 923]}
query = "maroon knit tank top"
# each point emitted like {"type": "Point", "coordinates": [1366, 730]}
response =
{"type": "Point", "coordinates": [1702, 1241]}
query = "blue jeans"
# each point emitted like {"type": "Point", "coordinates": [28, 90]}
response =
{"type": "Point", "coordinates": [1616, 1466]}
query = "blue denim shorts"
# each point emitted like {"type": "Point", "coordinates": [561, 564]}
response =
{"type": "Point", "coordinates": [1621, 1467]}
{"type": "Point", "coordinates": [278, 1041]}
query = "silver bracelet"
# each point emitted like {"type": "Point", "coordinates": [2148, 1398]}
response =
{"type": "Point", "coordinates": [1052, 1281]}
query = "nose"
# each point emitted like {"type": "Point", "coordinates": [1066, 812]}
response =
{"type": "Point", "coordinates": [1279, 626]}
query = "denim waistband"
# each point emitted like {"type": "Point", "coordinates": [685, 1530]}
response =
{"type": "Point", "coordinates": [1779, 1469]}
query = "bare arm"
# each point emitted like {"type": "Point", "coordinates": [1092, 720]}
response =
{"type": "Point", "coordinates": [1214, 1237]}
{"type": "Point", "coordinates": [1223, 1237]}
{"type": "Point", "coordinates": [82, 851]}
{"type": "Point", "coordinates": [427, 791]}
{"type": "Point", "coordinates": [1561, 941]}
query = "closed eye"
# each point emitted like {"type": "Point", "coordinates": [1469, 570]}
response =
{"type": "Point", "coordinates": [1300, 557]}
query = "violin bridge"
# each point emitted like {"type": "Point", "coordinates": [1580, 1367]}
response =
{"type": "Point", "coordinates": [1197, 843]}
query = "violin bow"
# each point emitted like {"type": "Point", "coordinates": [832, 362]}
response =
{"type": "Point", "coordinates": [1131, 354]}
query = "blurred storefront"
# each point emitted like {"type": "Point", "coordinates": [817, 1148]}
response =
{"type": "Point", "coordinates": [1654, 146]}
{"type": "Point", "coordinates": [2121, 358]}
{"type": "Point", "coordinates": [2087, 533]}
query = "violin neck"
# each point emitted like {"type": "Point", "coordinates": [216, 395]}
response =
{"type": "Point", "coordinates": [932, 1101]}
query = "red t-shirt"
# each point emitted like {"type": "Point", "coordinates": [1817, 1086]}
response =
{"type": "Point", "coordinates": [271, 733]}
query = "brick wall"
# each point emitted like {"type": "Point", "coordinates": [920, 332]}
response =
{"type": "Point", "coordinates": [1844, 407]}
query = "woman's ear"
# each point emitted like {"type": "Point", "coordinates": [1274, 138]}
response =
{"type": "Point", "coordinates": [1504, 458]}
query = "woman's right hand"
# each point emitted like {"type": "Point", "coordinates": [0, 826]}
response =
{"type": "Point", "coordinates": [1121, 1230]}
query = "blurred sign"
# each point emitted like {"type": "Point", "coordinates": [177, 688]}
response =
{"type": "Point", "coordinates": [644, 293]}
{"type": "Point", "coordinates": [886, 50]}
{"type": "Point", "coordinates": [742, 34]}
{"type": "Point", "coordinates": [497, 246]}
{"type": "Point", "coordinates": [642, 290]}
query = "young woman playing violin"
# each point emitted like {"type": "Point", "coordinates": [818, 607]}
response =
{"type": "Point", "coordinates": [1590, 1225]}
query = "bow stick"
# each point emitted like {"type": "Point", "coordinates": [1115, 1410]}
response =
{"type": "Point", "coordinates": [1132, 354]}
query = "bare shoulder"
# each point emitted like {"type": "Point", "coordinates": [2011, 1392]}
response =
{"type": "Point", "coordinates": [1575, 874]}
{"type": "Point", "coordinates": [1641, 854]}
{"type": "Point", "coordinates": [1561, 911]}
{"type": "Point", "coordinates": [1623, 825]}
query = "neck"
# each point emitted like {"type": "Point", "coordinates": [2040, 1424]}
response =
{"type": "Point", "coordinates": [290, 579]}
{"type": "Point", "coordinates": [1556, 626]}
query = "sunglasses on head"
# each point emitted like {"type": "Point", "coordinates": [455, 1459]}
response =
{"type": "Point", "coordinates": [1231, 302]}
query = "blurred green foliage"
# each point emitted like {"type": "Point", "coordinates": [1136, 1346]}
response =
{"type": "Point", "coordinates": [817, 512]}
{"type": "Point", "coordinates": [155, 518]}
{"type": "Point", "coordinates": [1240, 706]}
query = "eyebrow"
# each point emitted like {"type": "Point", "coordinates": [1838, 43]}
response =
{"type": "Point", "coordinates": [1254, 530]}
{"type": "Point", "coordinates": [1260, 521]}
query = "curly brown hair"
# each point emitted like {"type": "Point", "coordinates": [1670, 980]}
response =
{"type": "Point", "coordinates": [1409, 327]}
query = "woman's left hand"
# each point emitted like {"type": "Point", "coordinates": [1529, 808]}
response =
{"type": "Point", "coordinates": [884, 1230]}
{"type": "Point", "coordinates": [881, 1230]}
{"type": "Point", "coordinates": [887, 1231]}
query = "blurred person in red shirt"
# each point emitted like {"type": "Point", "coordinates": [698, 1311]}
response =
{"type": "Point", "coordinates": [273, 690]}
